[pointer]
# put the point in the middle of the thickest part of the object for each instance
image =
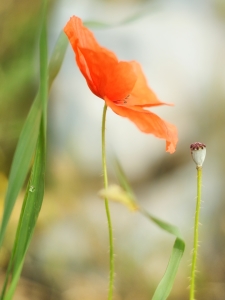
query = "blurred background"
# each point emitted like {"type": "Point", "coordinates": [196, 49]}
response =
{"type": "Point", "coordinates": [181, 47]}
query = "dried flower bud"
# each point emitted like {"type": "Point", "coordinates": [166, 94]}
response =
{"type": "Point", "coordinates": [198, 153]}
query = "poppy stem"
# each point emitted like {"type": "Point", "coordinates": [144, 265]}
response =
{"type": "Point", "coordinates": [111, 247]}
{"type": "Point", "coordinates": [196, 226]}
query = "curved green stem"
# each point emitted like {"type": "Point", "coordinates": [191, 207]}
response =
{"type": "Point", "coordinates": [196, 225]}
{"type": "Point", "coordinates": [111, 248]}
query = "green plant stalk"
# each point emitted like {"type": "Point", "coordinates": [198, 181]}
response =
{"type": "Point", "coordinates": [196, 226]}
{"type": "Point", "coordinates": [43, 66]}
{"type": "Point", "coordinates": [111, 247]}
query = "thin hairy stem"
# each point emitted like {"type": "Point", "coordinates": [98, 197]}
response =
{"type": "Point", "coordinates": [196, 226]}
{"type": "Point", "coordinates": [111, 248]}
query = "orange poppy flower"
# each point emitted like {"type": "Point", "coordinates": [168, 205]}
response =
{"type": "Point", "coordinates": [122, 85]}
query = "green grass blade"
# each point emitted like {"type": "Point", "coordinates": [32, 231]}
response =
{"type": "Point", "coordinates": [97, 24]}
{"type": "Point", "coordinates": [163, 225]}
{"type": "Point", "coordinates": [57, 57]}
{"type": "Point", "coordinates": [35, 189]}
{"type": "Point", "coordinates": [165, 286]}
{"type": "Point", "coordinates": [21, 161]}
{"type": "Point", "coordinates": [130, 19]}
{"type": "Point", "coordinates": [12, 288]}
{"type": "Point", "coordinates": [28, 217]}
{"type": "Point", "coordinates": [28, 138]}
{"type": "Point", "coordinates": [43, 49]}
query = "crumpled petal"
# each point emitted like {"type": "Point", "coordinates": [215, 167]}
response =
{"type": "Point", "coordinates": [94, 66]}
{"type": "Point", "coordinates": [121, 81]}
{"type": "Point", "coordinates": [141, 94]}
{"type": "Point", "coordinates": [148, 122]}
{"type": "Point", "coordinates": [100, 67]}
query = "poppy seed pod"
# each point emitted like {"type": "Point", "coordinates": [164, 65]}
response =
{"type": "Point", "coordinates": [198, 153]}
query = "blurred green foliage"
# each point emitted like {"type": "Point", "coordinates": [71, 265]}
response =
{"type": "Point", "coordinates": [19, 25]}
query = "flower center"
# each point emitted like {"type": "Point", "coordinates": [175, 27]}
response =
{"type": "Point", "coordinates": [121, 102]}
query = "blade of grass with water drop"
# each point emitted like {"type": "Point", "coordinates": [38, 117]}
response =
{"type": "Point", "coordinates": [29, 213]}
{"type": "Point", "coordinates": [21, 161]}
{"type": "Point", "coordinates": [35, 188]}
{"type": "Point", "coordinates": [165, 286]}
{"type": "Point", "coordinates": [28, 138]}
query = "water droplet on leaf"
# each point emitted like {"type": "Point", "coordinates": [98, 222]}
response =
{"type": "Point", "coordinates": [31, 189]}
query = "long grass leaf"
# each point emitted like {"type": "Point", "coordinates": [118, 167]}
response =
{"type": "Point", "coordinates": [165, 286]}
{"type": "Point", "coordinates": [130, 19]}
{"type": "Point", "coordinates": [12, 288]}
{"type": "Point", "coordinates": [28, 217]}
{"type": "Point", "coordinates": [57, 57]}
{"type": "Point", "coordinates": [21, 161]}
{"type": "Point", "coordinates": [28, 138]}
{"type": "Point", "coordinates": [35, 188]}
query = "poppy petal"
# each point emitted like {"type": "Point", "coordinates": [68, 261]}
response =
{"type": "Point", "coordinates": [92, 59]}
{"type": "Point", "coordinates": [121, 81]}
{"type": "Point", "coordinates": [141, 94]}
{"type": "Point", "coordinates": [105, 76]}
{"type": "Point", "coordinates": [82, 37]}
{"type": "Point", "coordinates": [95, 67]}
{"type": "Point", "coordinates": [148, 122]}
